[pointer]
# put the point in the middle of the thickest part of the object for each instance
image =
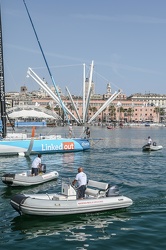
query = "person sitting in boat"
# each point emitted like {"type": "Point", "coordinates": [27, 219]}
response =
{"type": "Point", "coordinates": [81, 180]}
{"type": "Point", "coordinates": [36, 165]}
{"type": "Point", "coordinates": [149, 140]}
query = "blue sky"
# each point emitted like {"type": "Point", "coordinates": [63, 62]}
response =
{"type": "Point", "coordinates": [125, 38]}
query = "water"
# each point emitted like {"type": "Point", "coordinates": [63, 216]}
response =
{"type": "Point", "coordinates": [116, 158]}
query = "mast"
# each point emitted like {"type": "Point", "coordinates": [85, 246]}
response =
{"type": "Point", "coordinates": [2, 84]}
{"type": "Point", "coordinates": [83, 99]}
{"type": "Point", "coordinates": [49, 71]}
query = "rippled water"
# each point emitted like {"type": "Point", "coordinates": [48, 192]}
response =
{"type": "Point", "coordinates": [115, 157]}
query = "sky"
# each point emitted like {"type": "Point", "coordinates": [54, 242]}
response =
{"type": "Point", "coordinates": [126, 39]}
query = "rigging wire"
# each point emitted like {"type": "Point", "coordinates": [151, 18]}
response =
{"type": "Point", "coordinates": [51, 76]}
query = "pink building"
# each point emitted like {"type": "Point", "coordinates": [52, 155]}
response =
{"type": "Point", "coordinates": [119, 110]}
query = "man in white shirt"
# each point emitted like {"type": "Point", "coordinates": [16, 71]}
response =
{"type": "Point", "coordinates": [36, 165]}
{"type": "Point", "coordinates": [87, 131]}
{"type": "Point", "coordinates": [149, 140]}
{"type": "Point", "coordinates": [81, 180]}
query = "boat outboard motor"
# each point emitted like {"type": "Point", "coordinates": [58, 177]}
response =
{"type": "Point", "coordinates": [8, 179]}
{"type": "Point", "coordinates": [43, 168]}
{"type": "Point", "coordinates": [112, 191]}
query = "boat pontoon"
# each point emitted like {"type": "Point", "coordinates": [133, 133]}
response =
{"type": "Point", "coordinates": [25, 178]}
{"type": "Point", "coordinates": [99, 196]}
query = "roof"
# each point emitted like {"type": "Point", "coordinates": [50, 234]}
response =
{"type": "Point", "coordinates": [29, 114]}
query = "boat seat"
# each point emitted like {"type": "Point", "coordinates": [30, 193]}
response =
{"type": "Point", "coordinates": [96, 188]}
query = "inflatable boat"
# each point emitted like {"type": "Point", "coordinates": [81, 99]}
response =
{"type": "Point", "coordinates": [152, 147]}
{"type": "Point", "coordinates": [99, 197]}
{"type": "Point", "coordinates": [25, 179]}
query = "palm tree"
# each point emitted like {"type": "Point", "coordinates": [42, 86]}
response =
{"type": "Point", "coordinates": [120, 110]}
{"type": "Point", "coordinates": [58, 109]}
{"type": "Point", "coordinates": [94, 109]}
{"type": "Point", "coordinates": [160, 113]}
{"type": "Point", "coordinates": [103, 117]}
{"type": "Point", "coordinates": [48, 107]}
{"type": "Point", "coordinates": [130, 112]}
{"type": "Point", "coordinates": [157, 111]}
{"type": "Point", "coordinates": [71, 108]}
{"type": "Point", "coordinates": [112, 111]}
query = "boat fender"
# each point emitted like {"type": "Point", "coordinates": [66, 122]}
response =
{"type": "Point", "coordinates": [112, 191]}
{"type": "Point", "coordinates": [154, 143]}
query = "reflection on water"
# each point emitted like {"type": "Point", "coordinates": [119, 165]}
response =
{"type": "Point", "coordinates": [76, 227]}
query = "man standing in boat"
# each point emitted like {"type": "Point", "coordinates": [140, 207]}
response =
{"type": "Point", "coordinates": [70, 130]}
{"type": "Point", "coordinates": [149, 140]}
{"type": "Point", "coordinates": [87, 131]}
{"type": "Point", "coordinates": [36, 165]}
{"type": "Point", "coordinates": [81, 180]}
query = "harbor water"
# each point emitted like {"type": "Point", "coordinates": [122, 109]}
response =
{"type": "Point", "coordinates": [115, 157]}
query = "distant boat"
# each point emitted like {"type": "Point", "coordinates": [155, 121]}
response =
{"type": "Point", "coordinates": [109, 127]}
{"type": "Point", "coordinates": [152, 147]}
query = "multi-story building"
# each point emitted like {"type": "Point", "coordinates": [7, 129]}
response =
{"type": "Point", "coordinates": [151, 99]}
{"type": "Point", "coordinates": [135, 108]}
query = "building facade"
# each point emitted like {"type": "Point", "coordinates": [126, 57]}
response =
{"type": "Point", "coordinates": [136, 108]}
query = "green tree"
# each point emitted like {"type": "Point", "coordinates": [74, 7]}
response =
{"type": "Point", "coordinates": [112, 111]}
{"type": "Point", "coordinates": [130, 112]}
